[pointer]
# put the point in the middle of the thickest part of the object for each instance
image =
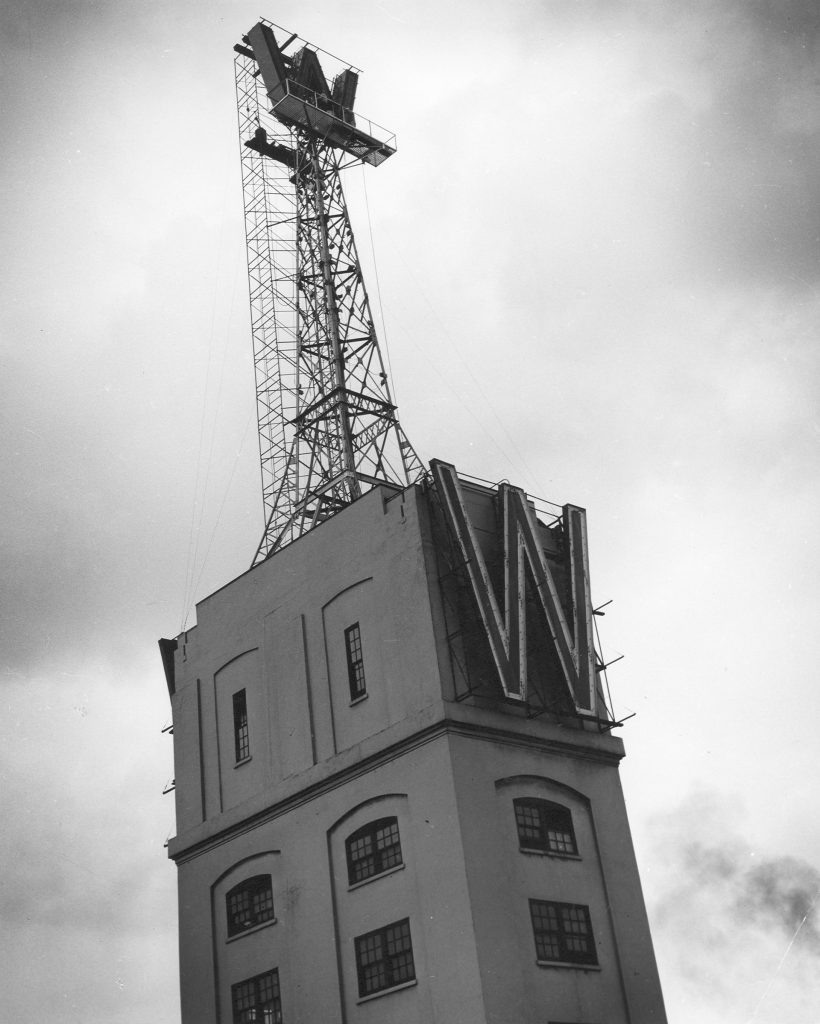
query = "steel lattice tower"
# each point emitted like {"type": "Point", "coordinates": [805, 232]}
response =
{"type": "Point", "coordinates": [328, 428]}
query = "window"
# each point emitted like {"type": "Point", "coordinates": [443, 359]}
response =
{"type": "Point", "coordinates": [384, 958]}
{"type": "Point", "coordinates": [372, 849]}
{"type": "Point", "coordinates": [355, 663]}
{"type": "Point", "coordinates": [250, 903]}
{"type": "Point", "coordinates": [257, 1000]}
{"type": "Point", "coordinates": [562, 932]}
{"type": "Point", "coordinates": [546, 826]}
{"type": "Point", "coordinates": [240, 726]}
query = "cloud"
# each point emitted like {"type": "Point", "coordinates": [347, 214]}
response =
{"type": "Point", "coordinates": [598, 251]}
{"type": "Point", "coordinates": [737, 929]}
{"type": "Point", "coordinates": [682, 141]}
{"type": "Point", "coordinates": [86, 894]}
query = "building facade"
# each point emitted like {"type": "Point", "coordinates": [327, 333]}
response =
{"type": "Point", "coordinates": [397, 786]}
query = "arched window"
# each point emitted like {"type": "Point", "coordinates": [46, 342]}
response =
{"type": "Point", "coordinates": [250, 903]}
{"type": "Point", "coordinates": [544, 826]}
{"type": "Point", "coordinates": [373, 849]}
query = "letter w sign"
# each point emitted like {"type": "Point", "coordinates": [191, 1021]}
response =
{"type": "Point", "coordinates": [523, 552]}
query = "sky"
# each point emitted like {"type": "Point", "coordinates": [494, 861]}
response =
{"type": "Point", "coordinates": [594, 262]}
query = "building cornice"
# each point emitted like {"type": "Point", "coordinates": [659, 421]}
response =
{"type": "Point", "coordinates": [456, 722]}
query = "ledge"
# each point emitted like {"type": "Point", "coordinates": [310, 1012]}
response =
{"type": "Point", "coordinates": [373, 878]}
{"type": "Point", "coordinates": [430, 724]}
{"type": "Point", "coordinates": [568, 963]}
{"type": "Point", "coordinates": [531, 851]}
{"type": "Point", "coordinates": [387, 991]}
{"type": "Point", "coordinates": [250, 931]}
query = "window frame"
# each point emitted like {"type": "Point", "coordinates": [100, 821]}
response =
{"type": "Point", "coordinates": [395, 976]}
{"type": "Point", "coordinates": [241, 726]}
{"type": "Point", "coordinates": [552, 817]}
{"type": "Point", "coordinates": [380, 855]}
{"type": "Point", "coordinates": [354, 655]}
{"type": "Point", "coordinates": [258, 1007]}
{"type": "Point", "coordinates": [252, 887]}
{"type": "Point", "coordinates": [564, 934]}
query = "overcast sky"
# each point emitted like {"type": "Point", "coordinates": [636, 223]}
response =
{"type": "Point", "coordinates": [597, 258]}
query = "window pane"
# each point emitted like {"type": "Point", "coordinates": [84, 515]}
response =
{"type": "Point", "coordinates": [543, 825]}
{"type": "Point", "coordinates": [560, 842]}
{"type": "Point", "coordinates": [257, 1000]}
{"type": "Point", "coordinates": [384, 958]}
{"type": "Point", "coordinates": [387, 846]}
{"type": "Point", "coordinates": [562, 932]}
{"type": "Point", "coordinates": [249, 903]}
{"type": "Point", "coordinates": [355, 661]}
{"type": "Point", "coordinates": [528, 822]}
{"type": "Point", "coordinates": [262, 908]}
{"type": "Point", "coordinates": [575, 926]}
{"type": "Point", "coordinates": [240, 726]}
{"type": "Point", "coordinates": [372, 849]}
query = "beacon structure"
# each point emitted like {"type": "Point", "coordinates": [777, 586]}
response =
{"type": "Point", "coordinates": [396, 774]}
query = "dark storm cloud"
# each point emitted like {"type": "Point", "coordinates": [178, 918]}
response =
{"type": "Point", "coordinates": [766, 892]}
{"type": "Point", "coordinates": [783, 891]}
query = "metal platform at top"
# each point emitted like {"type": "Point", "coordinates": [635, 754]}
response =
{"type": "Point", "coordinates": [302, 96]}
{"type": "Point", "coordinates": [303, 107]}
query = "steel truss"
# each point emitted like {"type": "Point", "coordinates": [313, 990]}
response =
{"type": "Point", "coordinates": [328, 428]}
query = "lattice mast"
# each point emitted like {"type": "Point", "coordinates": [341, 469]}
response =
{"type": "Point", "coordinates": [328, 428]}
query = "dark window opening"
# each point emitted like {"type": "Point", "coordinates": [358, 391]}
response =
{"type": "Point", "coordinates": [563, 932]}
{"type": "Point", "coordinates": [384, 958]}
{"type": "Point", "coordinates": [355, 662]}
{"type": "Point", "coordinates": [373, 849]}
{"type": "Point", "coordinates": [257, 1000]}
{"type": "Point", "coordinates": [241, 738]}
{"type": "Point", "coordinates": [546, 826]}
{"type": "Point", "coordinates": [250, 903]}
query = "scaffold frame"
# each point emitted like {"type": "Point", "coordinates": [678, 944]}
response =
{"type": "Point", "coordinates": [328, 427]}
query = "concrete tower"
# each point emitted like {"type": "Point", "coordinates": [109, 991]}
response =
{"type": "Point", "coordinates": [397, 792]}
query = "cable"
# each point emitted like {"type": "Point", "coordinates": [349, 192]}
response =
{"type": "Point", "coordinates": [196, 522]}
{"type": "Point", "coordinates": [522, 461]}
{"type": "Point", "coordinates": [379, 289]}
{"type": "Point", "coordinates": [610, 707]}
{"type": "Point", "coordinates": [224, 499]}
{"type": "Point", "coordinates": [209, 464]}
{"type": "Point", "coordinates": [444, 378]}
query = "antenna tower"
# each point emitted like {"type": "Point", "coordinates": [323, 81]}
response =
{"type": "Point", "coordinates": [328, 428]}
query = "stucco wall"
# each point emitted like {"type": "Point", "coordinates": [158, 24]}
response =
{"type": "Point", "coordinates": [322, 765]}
{"type": "Point", "coordinates": [492, 770]}
{"type": "Point", "coordinates": [278, 632]}
{"type": "Point", "coordinates": [318, 914]}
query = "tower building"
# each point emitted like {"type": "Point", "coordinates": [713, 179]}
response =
{"type": "Point", "coordinates": [396, 778]}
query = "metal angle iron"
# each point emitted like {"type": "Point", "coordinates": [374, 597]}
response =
{"type": "Point", "coordinates": [328, 427]}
